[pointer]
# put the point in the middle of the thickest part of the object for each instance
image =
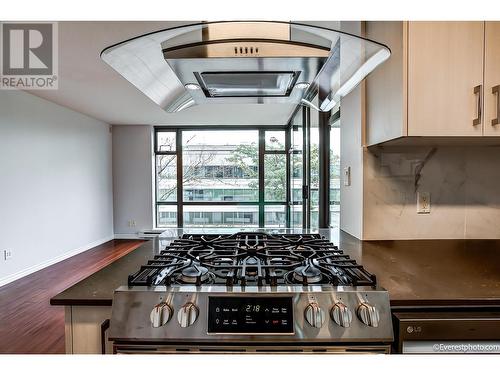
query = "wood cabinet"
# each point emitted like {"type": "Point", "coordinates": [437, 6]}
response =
{"type": "Point", "coordinates": [445, 64]}
{"type": "Point", "coordinates": [492, 79]}
{"type": "Point", "coordinates": [84, 331]}
{"type": "Point", "coordinates": [437, 83]}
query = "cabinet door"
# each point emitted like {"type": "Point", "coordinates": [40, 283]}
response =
{"type": "Point", "coordinates": [445, 64]}
{"type": "Point", "coordinates": [492, 79]}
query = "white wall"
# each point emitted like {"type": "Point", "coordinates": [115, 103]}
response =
{"type": "Point", "coordinates": [55, 183]}
{"type": "Point", "coordinates": [351, 197]}
{"type": "Point", "coordinates": [132, 179]}
{"type": "Point", "coordinates": [351, 139]}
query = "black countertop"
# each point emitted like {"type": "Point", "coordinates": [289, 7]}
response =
{"type": "Point", "coordinates": [436, 272]}
{"type": "Point", "coordinates": [416, 273]}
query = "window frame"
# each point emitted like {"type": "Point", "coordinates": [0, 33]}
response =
{"type": "Point", "coordinates": [304, 113]}
{"type": "Point", "coordinates": [262, 164]}
{"type": "Point", "coordinates": [156, 152]}
{"type": "Point", "coordinates": [334, 122]}
{"type": "Point", "coordinates": [180, 202]}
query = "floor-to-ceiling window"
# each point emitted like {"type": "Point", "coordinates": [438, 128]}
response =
{"type": "Point", "coordinates": [297, 155]}
{"type": "Point", "coordinates": [166, 178]}
{"type": "Point", "coordinates": [314, 169]}
{"type": "Point", "coordinates": [335, 171]}
{"type": "Point", "coordinates": [275, 179]}
{"type": "Point", "coordinates": [221, 178]}
{"type": "Point", "coordinates": [267, 177]}
{"type": "Point", "coordinates": [305, 174]}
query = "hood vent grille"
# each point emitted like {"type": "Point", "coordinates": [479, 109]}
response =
{"type": "Point", "coordinates": [246, 84]}
{"type": "Point", "coordinates": [246, 50]}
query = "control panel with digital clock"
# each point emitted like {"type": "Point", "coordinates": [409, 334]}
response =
{"type": "Point", "coordinates": [268, 315]}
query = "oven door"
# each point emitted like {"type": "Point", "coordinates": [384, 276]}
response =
{"type": "Point", "coordinates": [278, 348]}
{"type": "Point", "coordinates": [444, 332]}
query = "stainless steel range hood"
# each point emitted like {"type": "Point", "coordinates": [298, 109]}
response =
{"type": "Point", "coordinates": [241, 62]}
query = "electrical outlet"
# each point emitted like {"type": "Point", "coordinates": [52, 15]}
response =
{"type": "Point", "coordinates": [423, 203]}
{"type": "Point", "coordinates": [131, 223]}
{"type": "Point", "coordinates": [7, 254]}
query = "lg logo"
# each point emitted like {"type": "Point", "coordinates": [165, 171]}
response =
{"type": "Point", "coordinates": [29, 55]}
{"type": "Point", "coordinates": [414, 329]}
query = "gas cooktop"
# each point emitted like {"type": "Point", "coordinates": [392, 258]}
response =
{"type": "Point", "coordinates": [251, 292]}
{"type": "Point", "coordinates": [252, 259]}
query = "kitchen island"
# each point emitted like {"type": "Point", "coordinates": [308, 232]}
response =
{"type": "Point", "coordinates": [418, 274]}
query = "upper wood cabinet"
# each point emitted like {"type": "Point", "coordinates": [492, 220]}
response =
{"type": "Point", "coordinates": [445, 66]}
{"type": "Point", "coordinates": [492, 79]}
{"type": "Point", "coordinates": [437, 83]}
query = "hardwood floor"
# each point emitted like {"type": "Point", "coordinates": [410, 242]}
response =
{"type": "Point", "coordinates": [28, 324]}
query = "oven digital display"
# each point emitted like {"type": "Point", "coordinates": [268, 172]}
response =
{"type": "Point", "coordinates": [264, 315]}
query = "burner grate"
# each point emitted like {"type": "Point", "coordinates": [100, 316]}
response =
{"type": "Point", "coordinates": [252, 258]}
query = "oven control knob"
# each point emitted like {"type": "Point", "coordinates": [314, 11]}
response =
{"type": "Point", "coordinates": [160, 314]}
{"type": "Point", "coordinates": [187, 315]}
{"type": "Point", "coordinates": [314, 315]}
{"type": "Point", "coordinates": [341, 314]}
{"type": "Point", "coordinates": [368, 314]}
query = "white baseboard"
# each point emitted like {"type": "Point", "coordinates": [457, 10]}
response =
{"type": "Point", "coordinates": [127, 236]}
{"type": "Point", "coordinates": [37, 267]}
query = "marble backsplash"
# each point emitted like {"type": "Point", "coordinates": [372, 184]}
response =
{"type": "Point", "coordinates": [464, 184]}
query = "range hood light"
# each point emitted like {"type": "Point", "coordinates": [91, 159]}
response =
{"type": "Point", "coordinates": [368, 66]}
{"type": "Point", "coordinates": [307, 103]}
{"type": "Point", "coordinates": [192, 86]}
{"type": "Point", "coordinates": [302, 85]}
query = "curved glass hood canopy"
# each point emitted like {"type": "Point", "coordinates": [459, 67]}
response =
{"type": "Point", "coordinates": [256, 62]}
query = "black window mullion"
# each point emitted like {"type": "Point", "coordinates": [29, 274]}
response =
{"type": "Point", "coordinates": [275, 152]}
{"type": "Point", "coordinates": [288, 141]}
{"type": "Point", "coordinates": [220, 203]}
{"type": "Point", "coordinates": [155, 135]}
{"type": "Point", "coordinates": [324, 170]}
{"type": "Point", "coordinates": [261, 177]}
{"type": "Point", "coordinates": [270, 152]}
{"type": "Point", "coordinates": [180, 172]}
{"type": "Point", "coordinates": [306, 176]}
{"type": "Point", "coordinates": [155, 143]}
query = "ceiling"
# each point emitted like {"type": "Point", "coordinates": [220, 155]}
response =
{"type": "Point", "coordinates": [88, 85]}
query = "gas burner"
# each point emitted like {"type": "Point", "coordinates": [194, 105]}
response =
{"type": "Point", "coordinates": [307, 274]}
{"type": "Point", "coordinates": [194, 273]}
{"type": "Point", "coordinates": [251, 265]}
{"type": "Point", "coordinates": [251, 258]}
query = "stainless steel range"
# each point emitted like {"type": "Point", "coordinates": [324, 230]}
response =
{"type": "Point", "coordinates": [251, 292]}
